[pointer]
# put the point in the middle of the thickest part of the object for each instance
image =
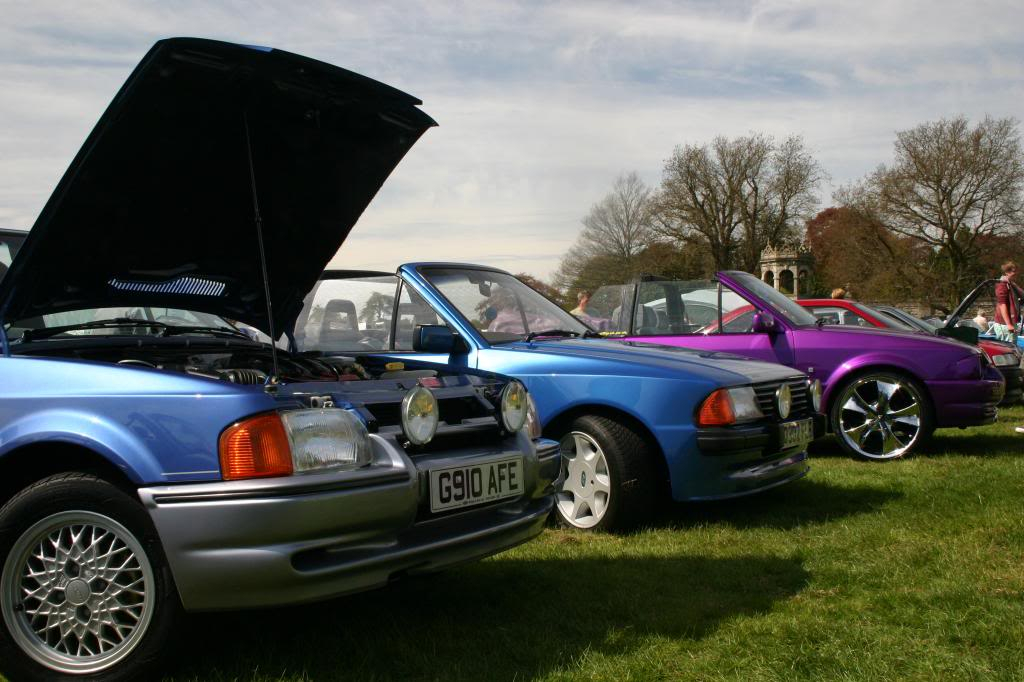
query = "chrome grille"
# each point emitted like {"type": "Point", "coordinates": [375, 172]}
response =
{"type": "Point", "coordinates": [801, 398]}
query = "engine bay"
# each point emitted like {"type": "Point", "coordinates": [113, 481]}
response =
{"type": "Point", "coordinates": [249, 364]}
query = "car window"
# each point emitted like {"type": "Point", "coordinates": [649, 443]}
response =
{"type": "Point", "coordinates": [351, 315]}
{"type": "Point", "coordinates": [498, 305]}
{"type": "Point", "coordinates": [674, 307]}
{"type": "Point", "coordinates": [9, 246]}
{"type": "Point", "coordinates": [609, 308]}
{"type": "Point", "coordinates": [413, 311]}
{"type": "Point", "coordinates": [834, 315]}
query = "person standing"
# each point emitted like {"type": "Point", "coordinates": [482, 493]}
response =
{"type": "Point", "coordinates": [1007, 304]}
{"type": "Point", "coordinates": [582, 298]}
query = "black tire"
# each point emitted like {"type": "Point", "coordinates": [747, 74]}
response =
{"type": "Point", "coordinates": [876, 447]}
{"type": "Point", "coordinates": [632, 488]}
{"type": "Point", "coordinates": [64, 498]}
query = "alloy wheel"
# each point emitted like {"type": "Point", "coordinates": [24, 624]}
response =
{"type": "Point", "coordinates": [76, 592]}
{"type": "Point", "coordinates": [880, 416]}
{"type": "Point", "coordinates": [583, 500]}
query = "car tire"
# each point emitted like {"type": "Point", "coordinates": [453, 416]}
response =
{"type": "Point", "coordinates": [881, 415]}
{"type": "Point", "coordinates": [89, 554]}
{"type": "Point", "coordinates": [608, 474]}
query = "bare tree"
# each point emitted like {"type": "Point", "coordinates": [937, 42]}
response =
{"type": "Point", "coordinates": [951, 187]}
{"type": "Point", "coordinates": [615, 232]}
{"type": "Point", "coordinates": [736, 196]}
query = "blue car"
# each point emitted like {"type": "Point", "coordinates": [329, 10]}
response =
{"type": "Point", "coordinates": [636, 421]}
{"type": "Point", "coordinates": [153, 457]}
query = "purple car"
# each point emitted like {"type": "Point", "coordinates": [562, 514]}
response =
{"type": "Point", "coordinates": [885, 390]}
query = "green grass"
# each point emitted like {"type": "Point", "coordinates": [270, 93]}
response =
{"type": "Point", "coordinates": [908, 570]}
{"type": "Point", "coordinates": [905, 570]}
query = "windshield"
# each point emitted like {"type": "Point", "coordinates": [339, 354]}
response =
{"type": "Point", "coordinates": [777, 300]}
{"type": "Point", "coordinates": [9, 245]}
{"type": "Point", "coordinates": [499, 306]}
{"type": "Point", "coordinates": [134, 318]}
{"type": "Point", "coordinates": [888, 320]}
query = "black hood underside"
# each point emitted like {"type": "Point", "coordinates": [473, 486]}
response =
{"type": "Point", "coordinates": [159, 206]}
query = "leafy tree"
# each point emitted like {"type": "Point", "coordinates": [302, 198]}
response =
{"type": "Point", "coordinates": [951, 187]}
{"type": "Point", "coordinates": [616, 231]}
{"type": "Point", "coordinates": [377, 308]}
{"type": "Point", "coordinates": [734, 197]}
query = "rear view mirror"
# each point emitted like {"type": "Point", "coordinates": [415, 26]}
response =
{"type": "Point", "coordinates": [436, 338]}
{"type": "Point", "coordinates": [763, 323]}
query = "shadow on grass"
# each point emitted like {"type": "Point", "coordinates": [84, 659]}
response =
{"type": "Point", "coordinates": [800, 503]}
{"type": "Point", "coordinates": [972, 444]}
{"type": "Point", "coordinates": [495, 620]}
{"type": "Point", "coordinates": [943, 442]}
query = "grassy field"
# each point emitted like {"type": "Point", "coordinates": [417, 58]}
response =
{"type": "Point", "coordinates": [909, 570]}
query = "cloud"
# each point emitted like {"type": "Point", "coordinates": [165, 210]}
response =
{"type": "Point", "coordinates": [541, 105]}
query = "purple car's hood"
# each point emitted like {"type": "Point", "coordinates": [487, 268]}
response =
{"type": "Point", "coordinates": [158, 206]}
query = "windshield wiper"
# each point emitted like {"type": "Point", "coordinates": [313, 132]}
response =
{"type": "Point", "coordinates": [113, 323]}
{"type": "Point", "coordinates": [216, 331]}
{"type": "Point", "coordinates": [563, 333]}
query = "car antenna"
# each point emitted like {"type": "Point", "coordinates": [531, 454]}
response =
{"type": "Point", "coordinates": [271, 383]}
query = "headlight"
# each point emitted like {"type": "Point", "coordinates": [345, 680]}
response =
{"type": "Point", "coordinates": [419, 415]}
{"type": "Point", "coordinates": [326, 439]}
{"type": "Point", "coordinates": [814, 387]}
{"type": "Point", "coordinates": [514, 406]}
{"type": "Point", "coordinates": [1005, 360]}
{"type": "Point", "coordinates": [283, 443]}
{"type": "Point", "coordinates": [728, 406]}
{"type": "Point", "coordinates": [783, 401]}
{"type": "Point", "coordinates": [533, 426]}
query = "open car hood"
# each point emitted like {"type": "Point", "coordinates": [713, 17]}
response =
{"type": "Point", "coordinates": [158, 207]}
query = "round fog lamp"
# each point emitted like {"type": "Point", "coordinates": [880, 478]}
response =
{"type": "Point", "coordinates": [783, 401]}
{"type": "Point", "coordinates": [419, 415]}
{"type": "Point", "coordinates": [815, 387]}
{"type": "Point", "coordinates": [514, 406]}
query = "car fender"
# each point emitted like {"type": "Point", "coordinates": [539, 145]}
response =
{"type": "Point", "coordinates": [901, 362]}
{"type": "Point", "coordinates": [85, 429]}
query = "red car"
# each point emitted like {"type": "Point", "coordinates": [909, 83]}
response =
{"type": "Point", "coordinates": [1005, 357]}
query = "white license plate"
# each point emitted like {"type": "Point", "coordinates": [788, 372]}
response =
{"type": "Point", "coordinates": [796, 433]}
{"type": "Point", "coordinates": [462, 486]}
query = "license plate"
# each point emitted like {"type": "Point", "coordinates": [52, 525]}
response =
{"type": "Point", "coordinates": [796, 433]}
{"type": "Point", "coordinates": [462, 486]}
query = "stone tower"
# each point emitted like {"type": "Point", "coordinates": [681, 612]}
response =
{"type": "Point", "coordinates": [787, 268]}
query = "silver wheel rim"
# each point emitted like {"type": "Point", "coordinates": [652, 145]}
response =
{"type": "Point", "coordinates": [583, 500]}
{"type": "Point", "coordinates": [76, 592]}
{"type": "Point", "coordinates": [880, 416]}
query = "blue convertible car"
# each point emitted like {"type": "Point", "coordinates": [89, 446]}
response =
{"type": "Point", "coordinates": [154, 458]}
{"type": "Point", "coordinates": [636, 421]}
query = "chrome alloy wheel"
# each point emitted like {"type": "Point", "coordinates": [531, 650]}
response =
{"type": "Point", "coordinates": [583, 499]}
{"type": "Point", "coordinates": [76, 592]}
{"type": "Point", "coordinates": [880, 416]}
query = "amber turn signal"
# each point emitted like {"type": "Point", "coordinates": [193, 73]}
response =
{"type": "Point", "coordinates": [255, 448]}
{"type": "Point", "coordinates": [716, 410]}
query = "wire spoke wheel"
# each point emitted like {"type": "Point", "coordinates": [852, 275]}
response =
{"type": "Point", "coordinates": [583, 500]}
{"type": "Point", "coordinates": [77, 592]}
{"type": "Point", "coordinates": [880, 416]}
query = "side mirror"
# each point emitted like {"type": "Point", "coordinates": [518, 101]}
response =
{"type": "Point", "coordinates": [965, 334]}
{"type": "Point", "coordinates": [436, 338]}
{"type": "Point", "coordinates": [763, 323]}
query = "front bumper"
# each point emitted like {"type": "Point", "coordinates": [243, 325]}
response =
{"type": "Point", "coordinates": [970, 402]}
{"type": "Point", "coordinates": [1014, 378]}
{"type": "Point", "coordinates": [269, 542]}
{"type": "Point", "coordinates": [742, 460]}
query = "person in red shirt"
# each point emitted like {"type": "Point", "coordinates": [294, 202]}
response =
{"type": "Point", "coordinates": [1008, 297]}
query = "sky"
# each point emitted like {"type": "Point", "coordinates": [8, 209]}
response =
{"type": "Point", "coordinates": [540, 104]}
